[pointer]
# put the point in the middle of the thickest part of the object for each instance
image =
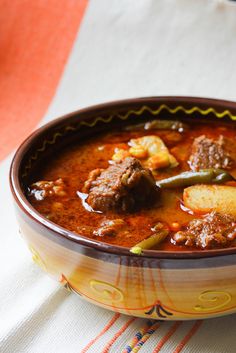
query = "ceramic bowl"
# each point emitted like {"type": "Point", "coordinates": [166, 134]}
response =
{"type": "Point", "coordinates": [160, 284]}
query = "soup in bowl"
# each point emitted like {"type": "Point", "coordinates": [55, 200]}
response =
{"type": "Point", "coordinates": [132, 205]}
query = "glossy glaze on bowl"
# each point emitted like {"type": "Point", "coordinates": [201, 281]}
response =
{"type": "Point", "coordinates": [162, 285]}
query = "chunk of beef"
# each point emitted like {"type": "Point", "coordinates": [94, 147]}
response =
{"type": "Point", "coordinates": [111, 228]}
{"type": "Point", "coordinates": [209, 153]}
{"type": "Point", "coordinates": [125, 186]}
{"type": "Point", "coordinates": [212, 231]}
{"type": "Point", "coordinates": [107, 228]}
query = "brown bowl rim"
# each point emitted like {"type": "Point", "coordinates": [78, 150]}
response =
{"type": "Point", "coordinates": [35, 216]}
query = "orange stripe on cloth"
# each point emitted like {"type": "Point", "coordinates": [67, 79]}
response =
{"type": "Point", "coordinates": [104, 330]}
{"type": "Point", "coordinates": [168, 335]}
{"type": "Point", "coordinates": [36, 38]}
{"type": "Point", "coordinates": [118, 334]}
{"type": "Point", "coordinates": [186, 338]}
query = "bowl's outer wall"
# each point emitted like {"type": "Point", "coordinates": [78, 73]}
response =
{"type": "Point", "coordinates": [156, 287]}
{"type": "Point", "coordinates": [171, 289]}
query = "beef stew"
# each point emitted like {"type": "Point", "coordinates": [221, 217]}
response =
{"type": "Point", "coordinates": [166, 185]}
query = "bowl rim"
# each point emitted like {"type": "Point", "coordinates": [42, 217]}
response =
{"type": "Point", "coordinates": [35, 216]}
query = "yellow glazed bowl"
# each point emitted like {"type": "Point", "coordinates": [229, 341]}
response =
{"type": "Point", "coordinates": [160, 284]}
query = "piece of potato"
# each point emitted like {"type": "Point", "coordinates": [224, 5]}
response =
{"type": "Point", "coordinates": [206, 198]}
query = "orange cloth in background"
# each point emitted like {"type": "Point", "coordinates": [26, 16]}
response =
{"type": "Point", "coordinates": [36, 38]}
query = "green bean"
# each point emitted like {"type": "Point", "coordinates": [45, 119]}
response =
{"type": "Point", "coordinates": [148, 243]}
{"type": "Point", "coordinates": [159, 125]}
{"type": "Point", "coordinates": [222, 176]}
{"type": "Point", "coordinates": [166, 125]}
{"type": "Point", "coordinates": [204, 176]}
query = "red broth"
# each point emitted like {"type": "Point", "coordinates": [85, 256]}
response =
{"type": "Point", "coordinates": [74, 164]}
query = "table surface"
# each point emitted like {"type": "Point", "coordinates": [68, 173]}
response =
{"type": "Point", "coordinates": [56, 57]}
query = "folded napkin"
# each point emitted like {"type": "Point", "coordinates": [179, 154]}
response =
{"type": "Point", "coordinates": [124, 48]}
